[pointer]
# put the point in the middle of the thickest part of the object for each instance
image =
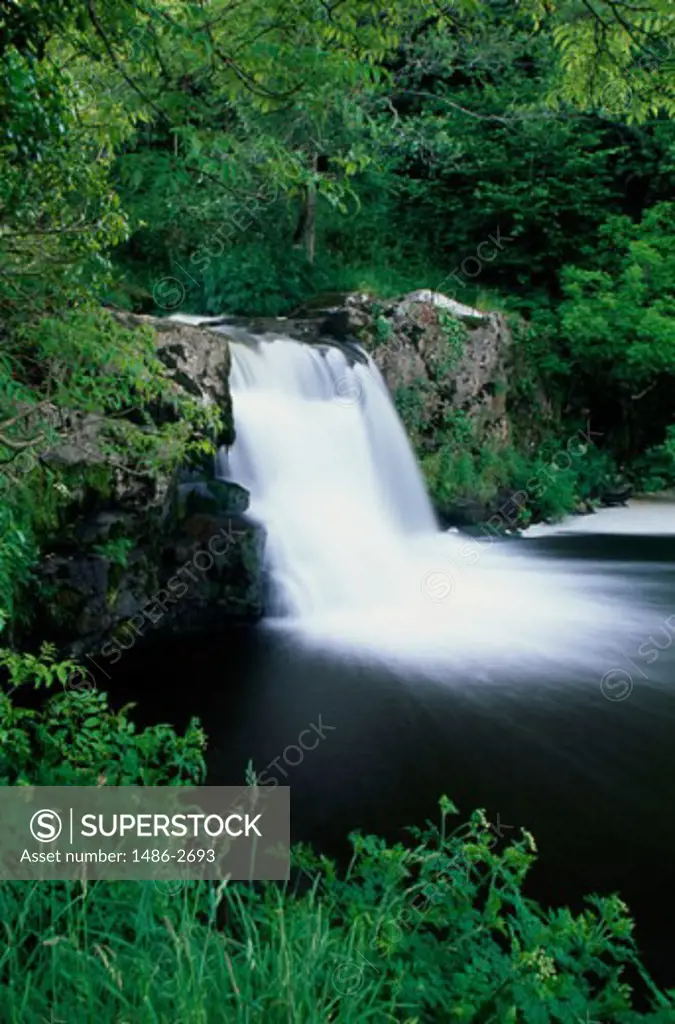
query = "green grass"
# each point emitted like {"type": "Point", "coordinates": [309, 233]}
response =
{"type": "Point", "coordinates": [438, 931]}
{"type": "Point", "coordinates": [388, 280]}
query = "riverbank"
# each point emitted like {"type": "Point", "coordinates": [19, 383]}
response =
{"type": "Point", "coordinates": [646, 514]}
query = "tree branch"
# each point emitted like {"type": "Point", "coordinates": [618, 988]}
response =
{"type": "Point", "coordinates": [22, 415]}
{"type": "Point", "coordinates": [113, 57]}
{"type": "Point", "coordinates": [650, 387]}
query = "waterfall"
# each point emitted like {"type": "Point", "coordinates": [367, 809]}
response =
{"type": "Point", "coordinates": [330, 471]}
{"type": "Point", "coordinates": [354, 553]}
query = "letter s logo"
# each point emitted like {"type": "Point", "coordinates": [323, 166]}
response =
{"type": "Point", "coordinates": [45, 826]}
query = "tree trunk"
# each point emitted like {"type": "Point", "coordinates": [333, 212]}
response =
{"type": "Point", "coordinates": [305, 232]}
{"type": "Point", "coordinates": [310, 214]}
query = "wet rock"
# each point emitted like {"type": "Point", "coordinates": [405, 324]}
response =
{"type": "Point", "coordinates": [617, 495]}
{"type": "Point", "coordinates": [462, 512]}
{"type": "Point", "coordinates": [211, 496]}
{"type": "Point", "coordinates": [337, 325]}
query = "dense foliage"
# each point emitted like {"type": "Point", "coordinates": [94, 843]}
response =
{"type": "Point", "coordinates": [242, 157]}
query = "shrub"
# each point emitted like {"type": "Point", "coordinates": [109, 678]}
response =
{"type": "Point", "coordinates": [74, 738]}
{"type": "Point", "coordinates": [655, 470]}
{"type": "Point", "coordinates": [437, 932]}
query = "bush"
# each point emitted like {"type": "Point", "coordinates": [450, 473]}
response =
{"type": "Point", "coordinates": [248, 279]}
{"type": "Point", "coordinates": [655, 470]}
{"type": "Point", "coordinates": [437, 932]}
{"type": "Point", "coordinates": [74, 738]}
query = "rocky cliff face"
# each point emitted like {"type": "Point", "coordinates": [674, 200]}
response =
{"type": "Point", "coordinates": [173, 551]}
{"type": "Point", "coordinates": [445, 357]}
{"type": "Point", "coordinates": [452, 356]}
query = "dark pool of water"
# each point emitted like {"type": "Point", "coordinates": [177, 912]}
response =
{"type": "Point", "coordinates": [592, 778]}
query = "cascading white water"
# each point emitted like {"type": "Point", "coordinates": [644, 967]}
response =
{"type": "Point", "coordinates": [354, 552]}
{"type": "Point", "coordinates": [330, 471]}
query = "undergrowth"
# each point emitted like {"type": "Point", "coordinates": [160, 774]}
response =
{"type": "Point", "coordinates": [437, 929]}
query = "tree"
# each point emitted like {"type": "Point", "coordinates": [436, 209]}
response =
{"type": "Point", "coordinates": [614, 54]}
{"type": "Point", "coordinates": [618, 325]}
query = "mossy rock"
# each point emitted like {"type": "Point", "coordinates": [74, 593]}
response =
{"type": "Point", "coordinates": [211, 497]}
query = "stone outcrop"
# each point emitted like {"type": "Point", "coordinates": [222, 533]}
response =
{"type": "Point", "coordinates": [446, 365]}
{"type": "Point", "coordinates": [174, 551]}
{"type": "Point", "coordinates": [454, 357]}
